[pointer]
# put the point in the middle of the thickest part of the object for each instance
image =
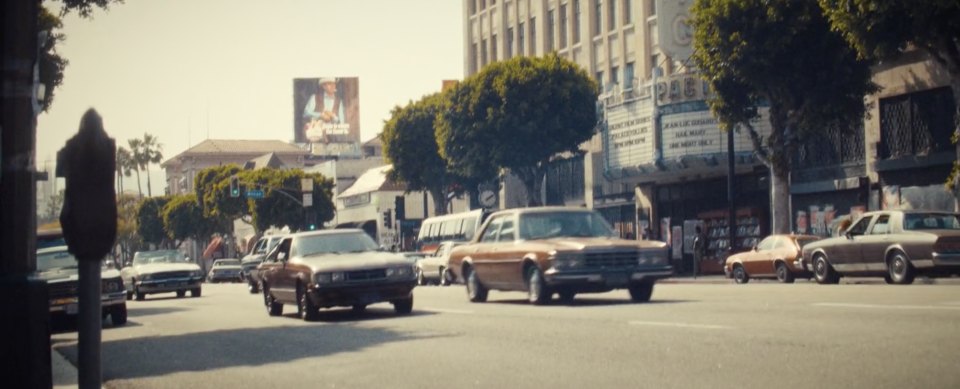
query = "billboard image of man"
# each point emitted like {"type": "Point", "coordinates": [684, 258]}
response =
{"type": "Point", "coordinates": [326, 110]}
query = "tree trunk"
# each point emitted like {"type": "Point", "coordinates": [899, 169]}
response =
{"type": "Point", "coordinates": [780, 201]}
{"type": "Point", "coordinates": [139, 188]}
{"type": "Point", "coordinates": [533, 182]}
{"type": "Point", "coordinates": [439, 201]}
{"type": "Point", "coordinates": [149, 192]}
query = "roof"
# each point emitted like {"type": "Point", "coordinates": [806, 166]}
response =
{"type": "Point", "coordinates": [371, 180]}
{"type": "Point", "coordinates": [239, 147]}
{"type": "Point", "coordinates": [267, 160]}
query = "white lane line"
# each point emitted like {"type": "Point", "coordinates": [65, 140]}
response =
{"type": "Point", "coordinates": [952, 303]}
{"type": "Point", "coordinates": [880, 306]}
{"type": "Point", "coordinates": [680, 325]}
{"type": "Point", "coordinates": [442, 310]}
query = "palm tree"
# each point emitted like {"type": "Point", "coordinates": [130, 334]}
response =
{"type": "Point", "coordinates": [152, 154]}
{"type": "Point", "coordinates": [136, 151]}
{"type": "Point", "coordinates": [125, 166]}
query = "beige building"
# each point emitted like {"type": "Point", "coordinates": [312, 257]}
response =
{"type": "Point", "coordinates": [182, 168]}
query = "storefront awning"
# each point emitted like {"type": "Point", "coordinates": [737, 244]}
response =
{"type": "Point", "coordinates": [212, 247]}
{"type": "Point", "coordinates": [370, 181]}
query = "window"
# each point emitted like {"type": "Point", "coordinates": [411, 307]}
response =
{"type": "Point", "coordinates": [767, 244]}
{"type": "Point", "coordinates": [598, 17]}
{"type": "Point", "coordinates": [612, 15]}
{"type": "Point", "coordinates": [508, 47]}
{"type": "Point", "coordinates": [627, 12]}
{"type": "Point", "coordinates": [615, 75]}
{"type": "Point", "coordinates": [628, 76]}
{"type": "Point", "coordinates": [600, 79]}
{"type": "Point", "coordinates": [882, 226]}
{"type": "Point", "coordinates": [653, 7]}
{"type": "Point", "coordinates": [533, 36]}
{"type": "Point", "coordinates": [918, 123]}
{"type": "Point", "coordinates": [473, 57]}
{"type": "Point", "coordinates": [483, 52]}
{"type": "Point", "coordinates": [563, 26]}
{"type": "Point", "coordinates": [576, 21]}
{"type": "Point", "coordinates": [861, 227]}
{"type": "Point", "coordinates": [490, 234]}
{"type": "Point", "coordinates": [493, 48]}
{"type": "Point", "coordinates": [507, 232]}
{"type": "Point", "coordinates": [520, 34]}
{"type": "Point", "coordinates": [550, 30]}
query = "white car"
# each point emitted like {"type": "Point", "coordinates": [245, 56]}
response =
{"type": "Point", "coordinates": [161, 271]}
{"type": "Point", "coordinates": [433, 268]}
{"type": "Point", "coordinates": [225, 270]}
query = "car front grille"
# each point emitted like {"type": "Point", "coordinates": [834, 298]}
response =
{"type": "Point", "coordinates": [171, 274]}
{"type": "Point", "coordinates": [610, 259]}
{"type": "Point", "coordinates": [63, 289]}
{"type": "Point", "coordinates": [363, 275]}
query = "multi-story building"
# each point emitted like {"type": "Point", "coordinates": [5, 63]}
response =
{"type": "Point", "coordinates": [182, 168]}
{"type": "Point", "coordinates": [658, 165]}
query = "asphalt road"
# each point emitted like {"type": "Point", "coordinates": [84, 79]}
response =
{"type": "Point", "coordinates": [759, 335]}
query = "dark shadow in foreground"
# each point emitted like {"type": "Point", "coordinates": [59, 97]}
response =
{"type": "Point", "coordinates": [590, 302]}
{"type": "Point", "coordinates": [161, 355]}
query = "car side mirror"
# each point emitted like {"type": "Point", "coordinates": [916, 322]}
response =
{"type": "Point", "coordinates": [281, 256]}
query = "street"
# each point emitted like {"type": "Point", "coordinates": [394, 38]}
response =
{"type": "Point", "coordinates": [692, 335]}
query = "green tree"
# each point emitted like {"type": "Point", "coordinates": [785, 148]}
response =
{"type": "Point", "coordinates": [883, 30]}
{"type": "Point", "coordinates": [183, 219]}
{"type": "Point", "coordinates": [212, 187]}
{"type": "Point", "coordinates": [152, 153]}
{"type": "Point", "coordinates": [125, 166]}
{"type": "Point", "coordinates": [410, 144]}
{"type": "Point", "coordinates": [781, 53]}
{"type": "Point", "coordinates": [136, 156]}
{"type": "Point", "coordinates": [52, 210]}
{"type": "Point", "coordinates": [128, 240]}
{"type": "Point", "coordinates": [518, 115]}
{"type": "Point", "coordinates": [150, 220]}
{"type": "Point", "coordinates": [281, 205]}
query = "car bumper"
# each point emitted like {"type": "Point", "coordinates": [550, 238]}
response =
{"type": "Point", "coordinates": [609, 278]}
{"type": "Point", "coordinates": [70, 305]}
{"type": "Point", "coordinates": [225, 277]}
{"type": "Point", "coordinates": [350, 295]}
{"type": "Point", "coordinates": [168, 285]}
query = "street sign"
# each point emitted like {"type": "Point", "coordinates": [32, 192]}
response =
{"type": "Point", "coordinates": [255, 194]}
{"type": "Point", "coordinates": [306, 185]}
{"type": "Point", "coordinates": [308, 199]}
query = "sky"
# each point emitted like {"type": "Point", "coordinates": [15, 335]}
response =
{"type": "Point", "coordinates": [189, 70]}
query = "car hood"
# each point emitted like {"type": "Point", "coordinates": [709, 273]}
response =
{"type": "Point", "coordinates": [164, 267]}
{"type": "Point", "coordinates": [355, 261]}
{"type": "Point", "coordinates": [71, 274]}
{"type": "Point", "coordinates": [594, 243]}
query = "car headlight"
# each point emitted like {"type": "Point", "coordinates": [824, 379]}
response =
{"type": "Point", "coordinates": [111, 286]}
{"type": "Point", "coordinates": [324, 278]}
{"type": "Point", "coordinates": [651, 258]}
{"type": "Point", "coordinates": [337, 277]}
{"type": "Point", "coordinates": [567, 260]}
{"type": "Point", "coordinates": [400, 271]}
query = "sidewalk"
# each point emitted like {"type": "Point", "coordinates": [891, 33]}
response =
{"type": "Point", "coordinates": [64, 373]}
{"type": "Point", "coordinates": [704, 279]}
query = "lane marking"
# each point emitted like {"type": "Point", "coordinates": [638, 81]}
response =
{"type": "Point", "coordinates": [443, 310]}
{"type": "Point", "coordinates": [680, 325]}
{"type": "Point", "coordinates": [880, 306]}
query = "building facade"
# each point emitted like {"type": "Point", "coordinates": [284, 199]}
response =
{"type": "Point", "coordinates": [183, 168]}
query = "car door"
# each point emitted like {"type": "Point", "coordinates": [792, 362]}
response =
{"type": "Point", "coordinates": [482, 253]}
{"type": "Point", "coordinates": [281, 279]}
{"type": "Point", "coordinates": [873, 245]}
{"type": "Point", "coordinates": [507, 258]}
{"type": "Point", "coordinates": [754, 262]}
{"type": "Point", "coordinates": [846, 255]}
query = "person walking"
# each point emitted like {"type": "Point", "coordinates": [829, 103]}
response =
{"type": "Point", "coordinates": [699, 249]}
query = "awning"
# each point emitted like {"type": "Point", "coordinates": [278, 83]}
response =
{"type": "Point", "coordinates": [369, 181]}
{"type": "Point", "coordinates": [212, 247]}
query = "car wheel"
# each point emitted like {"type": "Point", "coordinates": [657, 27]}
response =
{"type": "Point", "coordinates": [444, 276]}
{"type": "Point", "coordinates": [420, 280]}
{"type": "Point", "coordinates": [195, 292]}
{"type": "Point", "coordinates": [273, 307]}
{"type": "Point", "coordinates": [475, 289]}
{"type": "Point", "coordinates": [129, 295]}
{"type": "Point", "coordinates": [140, 296]}
{"type": "Point", "coordinates": [567, 296]}
{"type": "Point", "coordinates": [118, 315]}
{"type": "Point", "coordinates": [359, 308]}
{"type": "Point", "coordinates": [740, 274]}
{"type": "Point", "coordinates": [305, 308]}
{"type": "Point", "coordinates": [404, 306]}
{"type": "Point", "coordinates": [252, 286]}
{"type": "Point", "coordinates": [823, 272]}
{"type": "Point", "coordinates": [899, 268]}
{"type": "Point", "coordinates": [181, 293]}
{"type": "Point", "coordinates": [641, 292]}
{"type": "Point", "coordinates": [537, 291]}
{"type": "Point", "coordinates": [783, 273]}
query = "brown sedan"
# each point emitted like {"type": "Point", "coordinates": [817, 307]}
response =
{"type": "Point", "coordinates": [322, 269]}
{"type": "Point", "coordinates": [776, 256]}
{"type": "Point", "coordinates": [559, 250]}
{"type": "Point", "coordinates": [897, 245]}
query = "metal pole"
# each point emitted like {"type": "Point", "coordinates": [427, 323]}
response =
{"type": "Point", "coordinates": [731, 184]}
{"type": "Point", "coordinates": [89, 325]}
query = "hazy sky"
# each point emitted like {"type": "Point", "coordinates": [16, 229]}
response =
{"type": "Point", "coordinates": [188, 70]}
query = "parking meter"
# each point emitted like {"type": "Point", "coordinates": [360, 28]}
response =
{"type": "Point", "coordinates": [89, 215]}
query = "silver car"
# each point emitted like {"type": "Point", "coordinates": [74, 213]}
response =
{"type": "Point", "coordinates": [434, 268]}
{"type": "Point", "coordinates": [161, 271]}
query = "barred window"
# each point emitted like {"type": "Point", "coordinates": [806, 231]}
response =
{"type": "Point", "coordinates": [835, 146]}
{"type": "Point", "coordinates": [565, 180]}
{"type": "Point", "coordinates": [917, 123]}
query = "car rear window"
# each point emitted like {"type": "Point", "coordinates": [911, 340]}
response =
{"type": "Point", "coordinates": [931, 221]}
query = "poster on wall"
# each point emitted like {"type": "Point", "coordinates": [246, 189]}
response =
{"type": "Point", "coordinates": [676, 236]}
{"type": "Point", "coordinates": [326, 110]}
{"type": "Point", "coordinates": [802, 222]}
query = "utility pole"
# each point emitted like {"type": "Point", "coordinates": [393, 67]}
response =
{"type": "Point", "coordinates": [25, 330]}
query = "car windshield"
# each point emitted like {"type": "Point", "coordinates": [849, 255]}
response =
{"type": "Point", "coordinates": [163, 256]}
{"type": "Point", "coordinates": [55, 259]}
{"type": "Point", "coordinates": [231, 262]}
{"type": "Point", "coordinates": [931, 221]}
{"type": "Point", "coordinates": [543, 225]}
{"type": "Point", "coordinates": [335, 243]}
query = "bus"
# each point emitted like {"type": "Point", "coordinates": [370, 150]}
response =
{"type": "Point", "coordinates": [459, 227]}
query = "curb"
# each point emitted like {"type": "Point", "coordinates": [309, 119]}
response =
{"type": "Point", "coordinates": [64, 373]}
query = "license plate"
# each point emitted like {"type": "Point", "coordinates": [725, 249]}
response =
{"type": "Point", "coordinates": [616, 279]}
{"type": "Point", "coordinates": [370, 297]}
{"type": "Point", "coordinates": [72, 309]}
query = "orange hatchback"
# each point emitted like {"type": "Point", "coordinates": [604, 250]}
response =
{"type": "Point", "coordinates": [776, 256]}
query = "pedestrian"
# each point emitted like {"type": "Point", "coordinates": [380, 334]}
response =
{"type": "Point", "coordinates": [699, 249]}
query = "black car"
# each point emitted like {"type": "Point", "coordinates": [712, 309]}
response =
{"type": "Point", "coordinates": [59, 268]}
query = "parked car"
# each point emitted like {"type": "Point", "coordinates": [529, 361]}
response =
{"type": "Point", "coordinates": [59, 268]}
{"type": "Point", "coordinates": [331, 268]}
{"type": "Point", "coordinates": [253, 259]}
{"type": "Point", "coordinates": [161, 271]}
{"type": "Point", "coordinates": [434, 268]}
{"type": "Point", "coordinates": [225, 270]}
{"type": "Point", "coordinates": [776, 256]}
{"type": "Point", "coordinates": [561, 250]}
{"type": "Point", "coordinates": [898, 245]}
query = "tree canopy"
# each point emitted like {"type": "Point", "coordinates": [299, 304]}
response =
{"type": "Point", "coordinates": [281, 204]}
{"type": "Point", "coordinates": [150, 225]}
{"type": "Point", "coordinates": [183, 219]}
{"type": "Point", "coordinates": [517, 114]}
{"type": "Point", "coordinates": [780, 53]}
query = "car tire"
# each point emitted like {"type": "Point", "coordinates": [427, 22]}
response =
{"type": "Point", "coordinates": [538, 293]}
{"type": "Point", "coordinates": [740, 275]}
{"type": "Point", "coordinates": [195, 292]}
{"type": "Point", "coordinates": [252, 286]}
{"type": "Point", "coordinates": [444, 277]}
{"type": "Point", "coordinates": [129, 295]}
{"type": "Point", "coordinates": [823, 272]}
{"type": "Point", "coordinates": [273, 307]}
{"type": "Point", "coordinates": [784, 274]}
{"type": "Point", "coordinates": [118, 315]}
{"type": "Point", "coordinates": [567, 296]}
{"type": "Point", "coordinates": [181, 293]}
{"type": "Point", "coordinates": [476, 292]}
{"type": "Point", "coordinates": [305, 307]}
{"type": "Point", "coordinates": [900, 270]}
{"type": "Point", "coordinates": [403, 306]}
{"type": "Point", "coordinates": [420, 280]}
{"type": "Point", "coordinates": [641, 292]}
{"type": "Point", "coordinates": [139, 296]}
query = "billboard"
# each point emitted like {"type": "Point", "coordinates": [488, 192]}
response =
{"type": "Point", "coordinates": [326, 110]}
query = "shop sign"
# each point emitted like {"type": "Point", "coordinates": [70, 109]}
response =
{"type": "Point", "coordinates": [683, 87]}
{"type": "Point", "coordinates": [360, 199]}
{"type": "Point", "coordinates": [698, 133]}
{"type": "Point", "coordinates": [630, 134]}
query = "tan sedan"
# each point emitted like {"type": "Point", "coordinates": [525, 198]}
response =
{"type": "Point", "coordinates": [776, 256]}
{"type": "Point", "coordinates": [560, 250]}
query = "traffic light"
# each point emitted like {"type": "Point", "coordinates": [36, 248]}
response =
{"type": "Point", "coordinates": [387, 219]}
{"type": "Point", "coordinates": [399, 208]}
{"type": "Point", "coordinates": [234, 186]}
